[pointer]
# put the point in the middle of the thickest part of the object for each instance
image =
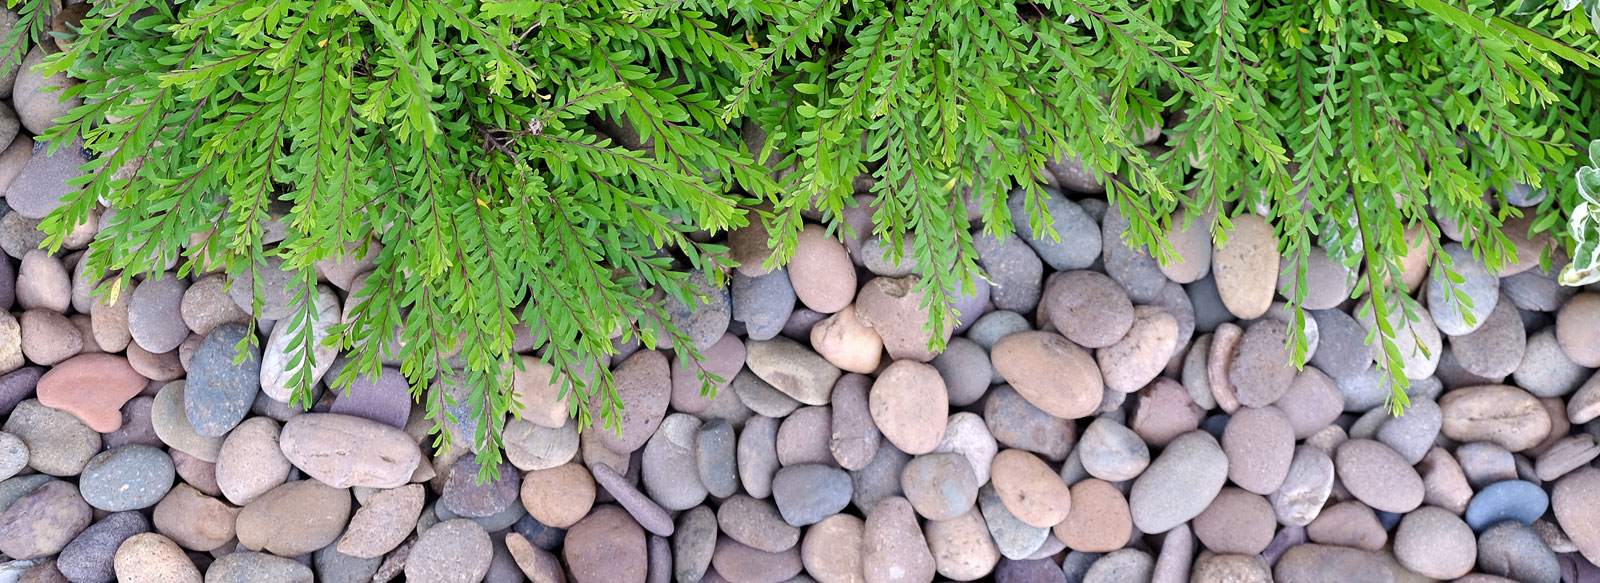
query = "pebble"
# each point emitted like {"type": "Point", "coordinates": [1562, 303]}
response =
{"type": "Point", "coordinates": [344, 451]}
{"type": "Point", "coordinates": [965, 368]}
{"type": "Point", "coordinates": [13, 455]}
{"type": "Point", "coordinates": [1099, 520]}
{"type": "Point", "coordinates": [832, 549]}
{"type": "Point", "coordinates": [152, 558]}
{"type": "Point", "coordinates": [1051, 373]}
{"type": "Point", "coordinates": [715, 454]}
{"type": "Point", "coordinates": [89, 557]}
{"type": "Point", "coordinates": [1130, 265]}
{"type": "Point", "coordinates": [1348, 524]}
{"type": "Point", "coordinates": [1496, 348]}
{"type": "Point", "coordinates": [807, 493]}
{"type": "Point", "coordinates": [93, 388]}
{"type": "Point", "coordinates": [1485, 463]}
{"type": "Point", "coordinates": [1513, 550]}
{"type": "Point", "coordinates": [1412, 433]}
{"type": "Point", "coordinates": [1418, 340]}
{"type": "Point", "coordinates": [1017, 423]}
{"type": "Point", "coordinates": [1029, 571]}
{"type": "Point", "coordinates": [644, 382]}
{"type": "Point", "coordinates": [908, 405]}
{"type": "Point", "coordinates": [155, 314]}
{"type": "Point", "coordinates": [1077, 242]}
{"type": "Point", "coordinates": [897, 311]}
{"type": "Point", "coordinates": [1237, 521]}
{"type": "Point", "coordinates": [383, 522]}
{"type": "Point", "coordinates": [42, 281]}
{"type": "Point", "coordinates": [757, 524]}
{"type": "Point", "coordinates": [757, 455]}
{"type": "Point", "coordinates": [1089, 308]}
{"type": "Point", "coordinates": [194, 520]}
{"type": "Point", "coordinates": [11, 357]}
{"type": "Point", "coordinates": [1313, 401]}
{"type": "Point", "coordinates": [821, 272]}
{"type": "Point", "coordinates": [1341, 344]}
{"type": "Point", "coordinates": [1246, 267]}
{"type": "Point", "coordinates": [48, 337]}
{"type": "Point", "coordinates": [58, 444]}
{"type": "Point", "coordinates": [1135, 360]}
{"type": "Point", "coordinates": [218, 393]}
{"type": "Point", "coordinates": [387, 398]}
{"type": "Point", "coordinates": [705, 317]}
{"type": "Point", "coordinates": [130, 477]}
{"type": "Point", "coordinates": [1190, 238]}
{"type": "Point", "coordinates": [1179, 484]}
{"type": "Point", "coordinates": [738, 563]}
{"type": "Point", "coordinates": [965, 434]}
{"type": "Point", "coordinates": [693, 542]}
{"type": "Point", "coordinates": [206, 305]}
{"type": "Point", "coordinates": [1517, 500]}
{"type": "Point", "coordinates": [893, 547]}
{"type": "Point", "coordinates": [646, 512]}
{"type": "Point", "coordinates": [452, 551]}
{"type": "Point", "coordinates": [1305, 488]}
{"type": "Point", "coordinates": [1378, 476]}
{"type": "Point", "coordinates": [666, 456]}
{"type": "Point", "coordinates": [1501, 414]}
{"type": "Point", "coordinates": [1163, 412]}
{"type": "Point", "coordinates": [1432, 542]}
{"type": "Point", "coordinates": [792, 368]}
{"type": "Point", "coordinates": [1481, 287]}
{"type": "Point", "coordinates": [1545, 369]}
{"type": "Point", "coordinates": [1569, 453]}
{"type": "Point", "coordinates": [1112, 452]}
{"type": "Point", "coordinates": [469, 494]}
{"type": "Point", "coordinates": [961, 547]}
{"type": "Point", "coordinates": [43, 520]}
{"type": "Point", "coordinates": [1261, 372]}
{"type": "Point", "coordinates": [294, 519]}
{"type": "Point", "coordinates": [940, 486]}
{"type": "Point", "coordinates": [607, 545]}
{"type": "Point", "coordinates": [1014, 270]}
{"type": "Point", "coordinates": [250, 567]}
{"type": "Point", "coordinates": [1313, 563]}
{"type": "Point", "coordinates": [763, 303]}
{"type": "Point", "coordinates": [251, 462]}
{"type": "Point", "coordinates": [804, 437]}
{"type": "Point", "coordinates": [843, 340]}
{"type": "Point", "coordinates": [1123, 566]}
{"type": "Point", "coordinates": [1215, 568]}
{"type": "Point", "coordinates": [1259, 444]}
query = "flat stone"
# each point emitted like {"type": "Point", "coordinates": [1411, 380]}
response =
{"type": "Point", "coordinates": [644, 382]}
{"type": "Point", "coordinates": [1516, 500]}
{"type": "Point", "coordinates": [715, 455]}
{"type": "Point", "coordinates": [296, 518]}
{"type": "Point", "coordinates": [1078, 241]}
{"type": "Point", "coordinates": [1348, 524]}
{"type": "Point", "coordinates": [1099, 520]}
{"type": "Point", "coordinates": [1495, 348]}
{"type": "Point", "coordinates": [1513, 550]}
{"type": "Point", "coordinates": [194, 520]}
{"type": "Point", "coordinates": [383, 522]}
{"type": "Point", "coordinates": [1331, 564]}
{"type": "Point", "coordinates": [1179, 484]}
{"type": "Point", "coordinates": [58, 444]}
{"type": "Point", "coordinates": [1481, 287]}
{"type": "Point", "coordinates": [1501, 414]}
{"type": "Point", "coordinates": [130, 477]}
{"type": "Point", "coordinates": [1051, 373]}
{"type": "Point", "coordinates": [218, 393]}
{"type": "Point", "coordinates": [893, 547]}
{"type": "Point", "coordinates": [152, 558]}
{"type": "Point", "coordinates": [1136, 359]}
{"type": "Point", "coordinates": [387, 399]}
{"type": "Point", "coordinates": [940, 486]}
{"type": "Point", "coordinates": [693, 543]}
{"type": "Point", "coordinates": [89, 557]}
{"type": "Point", "coordinates": [647, 514]}
{"type": "Point", "coordinates": [1261, 371]}
{"type": "Point", "coordinates": [1305, 489]}
{"type": "Point", "coordinates": [454, 551]}
{"type": "Point", "coordinates": [1017, 423]}
{"type": "Point", "coordinates": [1112, 452]}
{"type": "Point", "coordinates": [807, 493]}
{"type": "Point", "coordinates": [42, 521]}
{"type": "Point", "coordinates": [1246, 266]}
{"type": "Point", "coordinates": [1434, 543]}
{"type": "Point", "coordinates": [1545, 369]}
{"type": "Point", "coordinates": [763, 303]}
{"type": "Point", "coordinates": [1378, 476]}
{"type": "Point", "coordinates": [793, 369]}
{"type": "Point", "coordinates": [961, 547]}
{"type": "Point", "coordinates": [757, 455]}
{"type": "Point", "coordinates": [93, 388]}
{"type": "Point", "coordinates": [155, 316]}
{"type": "Point", "coordinates": [666, 456]}
{"type": "Point", "coordinates": [1131, 266]}
{"type": "Point", "coordinates": [904, 401]}
{"type": "Point", "coordinates": [1089, 308]}
{"type": "Point", "coordinates": [821, 272]}
{"type": "Point", "coordinates": [251, 461]}
{"type": "Point", "coordinates": [757, 524]}
{"type": "Point", "coordinates": [1014, 270]}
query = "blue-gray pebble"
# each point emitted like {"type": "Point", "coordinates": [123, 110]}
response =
{"type": "Point", "coordinates": [808, 493]}
{"type": "Point", "coordinates": [1517, 500]}
{"type": "Point", "coordinates": [88, 558]}
{"type": "Point", "coordinates": [218, 393]}
{"type": "Point", "coordinates": [130, 477]}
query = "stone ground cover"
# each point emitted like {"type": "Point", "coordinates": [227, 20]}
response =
{"type": "Point", "coordinates": [1096, 417]}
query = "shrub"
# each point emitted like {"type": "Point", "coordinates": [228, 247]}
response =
{"type": "Point", "coordinates": [552, 164]}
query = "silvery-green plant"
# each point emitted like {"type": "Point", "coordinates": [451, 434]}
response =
{"type": "Point", "coordinates": [1585, 225]}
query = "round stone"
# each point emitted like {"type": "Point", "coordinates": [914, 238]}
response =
{"type": "Point", "coordinates": [89, 558]}
{"type": "Point", "coordinates": [1330, 564]}
{"type": "Point", "coordinates": [807, 493]}
{"type": "Point", "coordinates": [249, 567]}
{"type": "Point", "coordinates": [48, 337]}
{"type": "Point", "coordinates": [831, 551]}
{"type": "Point", "coordinates": [897, 311]}
{"type": "Point", "coordinates": [1078, 241]}
{"type": "Point", "coordinates": [1112, 452]}
{"type": "Point", "coordinates": [469, 492]}
{"type": "Point", "coordinates": [1089, 308]}
{"type": "Point", "coordinates": [1434, 543]}
{"type": "Point", "coordinates": [854, 437]}
{"type": "Point", "coordinates": [130, 477]}
{"type": "Point", "coordinates": [218, 393]}
{"type": "Point", "coordinates": [1305, 489]}
{"type": "Point", "coordinates": [756, 524]}
{"type": "Point", "coordinates": [665, 458]}
{"type": "Point", "coordinates": [386, 398]}
{"type": "Point", "coordinates": [1051, 372]}
{"type": "Point", "coordinates": [152, 558]}
{"type": "Point", "coordinates": [1132, 362]}
{"type": "Point", "coordinates": [893, 547]}
{"type": "Point", "coordinates": [344, 451]}
{"type": "Point", "coordinates": [1099, 520]}
{"type": "Point", "coordinates": [43, 520]}
{"type": "Point", "coordinates": [1495, 349]}
{"type": "Point", "coordinates": [1513, 550]}
{"type": "Point", "coordinates": [940, 486]}
{"type": "Point", "coordinates": [1348, 524]}
{"type": "Point", "coordinates": [763, 303]}
{"type": "Point", "coordinates": [1017, 423]}
{"type": "Point", "coordinates": [1246, 266]}
{"type": "Point", "coordinates": [1501, 414]}
{"type": "Point", "coordinates": [42, 281]}
{"type": "Point", "coordinates": [1014, 270]}
{"type": "Point", "coordinates": [452, 551]}
{"type": "Point", "coordinates": [821, 272]}
{"type": "Point", "coordinates": [1179, 484]}
{"type": "Point", "coordinates": [961, 547]}
{"type": "Point", "coordinates": [1123, 566]}
{"type": "Point", "coordinates": [715, 458]}
{"type": "Point", "coordinates": [206, 305]}
{"type": "Point", "coordinates": [1261, 371]}
{"type": "Point", "coordinates": [1517, 500]}
{"type": "Point", "coordinates": [1481, 287]}
{"type": "Point", "coordinates": [1236, 522]}
{"type": "Point", "coordinates": [644, 382]}
{"type": "Point", "coordinates": [155, 315]}
{"type": "Point", "coordinates": [1259, 444]}
{"type": "Point", "coordinates": [1576, 503]}
{"type": "Point", "coordinates": [1378, 476]}
{"type": "Point", "coordinates": [383, 522]}
{"type": "Point", "coordinates": [294, 519]}
{"type": "Point", "coordinates": [194, 520]}
{"type": "Point", "coordinates": [1163, 412]}
{"type": "Point", "coordinates": [605, 546]}
{"type": "Point", "coordinates": [251, 462]}
{"type": "Point", "coordinates": [792, 369]}
{"type": "Point", "coordinates": [904, 401]}
{"type": "Point", "coordinates": [58, 444]}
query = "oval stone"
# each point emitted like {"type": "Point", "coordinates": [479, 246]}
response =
{"type": "Point", "coordinates": [344, 451]}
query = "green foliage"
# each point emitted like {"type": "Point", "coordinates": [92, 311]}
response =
{"type": "Point", "coordinates": [1585, 225]}
{"type": "Point", "coordinates": [541, 162]}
